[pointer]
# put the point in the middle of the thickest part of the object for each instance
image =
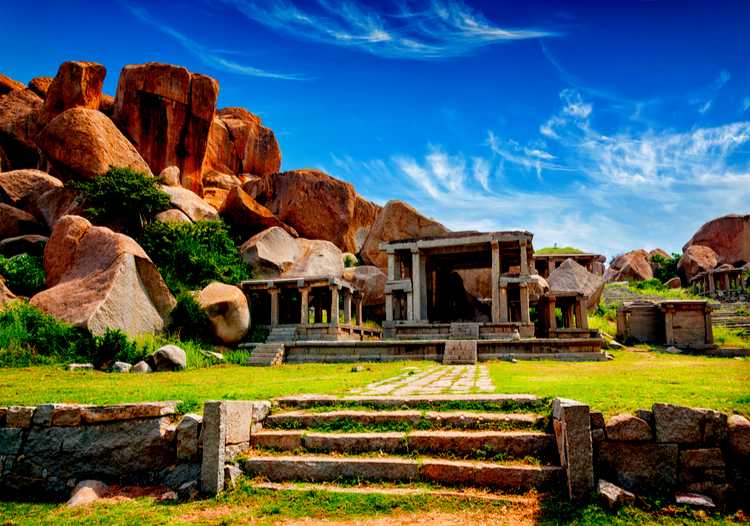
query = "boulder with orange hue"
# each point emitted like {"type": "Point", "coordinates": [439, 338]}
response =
{"type": "Point", "coordinates": [397, 220]}
{"type": "Point", "coordinates": [270, 253]}
{"type": "Point", "coordinates": [317, 206]}
{"type": "Point", "coordinates": [239, 143]}
{"type": "Point", "coordinates": [76, 85]}
{"type": "Point", "coordinates": [369, 280]}
{"type": "Point", "coordinates": [22, 188]}
{"type": "Point", "coordinates": [54, 204]}
{"type": "Point", "coordinates": [215, 197]}
{"type": "Point", "coordinates": [167, 112]}
{"type": "Point", "coordinates": [316, 257]}
{"type": "Point", "coordinates": [16, 222]}
{"type": "Point", "coordinates": [632, 266]}
{"type": "Point", "coordinates": [696, 259]}
{"type": "Point", "coordinates": [107, 105]}
{"type": "Point", "coordinates": [8, 84]}
{"type": "Point", "coordinates": [6, 295]}
{"type": "Point", "coordinates": [101, 280]}
{"type": "Point", "coordinates": [728, 236]}
{"type": "Point", "coordinates": [190, 204]}
{"type": "Point", "coordinates": [19, 127]}
{"type": "Point", "coordinates": [227, 309]}
{"type": "Point", "coordinates": [245, 213]}
{"type": "Point", "coordinates": [40, 85]}
{"type": "Point", "coordinates": [81, 142]}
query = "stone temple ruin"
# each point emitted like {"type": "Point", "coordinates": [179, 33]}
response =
{"type": "Point", "coordinates": [685, 324]}
{"type": "Point", "coordinates": [428, 312]}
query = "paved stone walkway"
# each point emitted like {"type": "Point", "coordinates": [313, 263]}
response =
{"type": "Point", "coordinates": [442, 379]}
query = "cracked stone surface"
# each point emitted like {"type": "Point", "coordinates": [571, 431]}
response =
{"type": "Point", "coordinates": [441, 379]}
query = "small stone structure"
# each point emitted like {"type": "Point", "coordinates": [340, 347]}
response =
{"type": "Point", "coordinates": [723, 282]}
{"type": "Point", "coordinates": [546, 263]}
{"type": "Point", "coordinates": [309, 308]}
{"type": "Point", "coordinates": [575, 321]}
{"type": "Point", "coordinates": [684, 324]}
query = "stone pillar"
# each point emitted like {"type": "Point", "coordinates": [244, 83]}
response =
{"type": "Point", "coordinates": [709, 326]}
{"type": "Point", "coordinates": [503, 303]}
{"type": "Point", "coordinates": [333, 319]}
{"type": "Point", "coordinates": [304, 305]}
{"type": "Point", "coordinates": [711, 284]}
{"type": "Point", "coordinates": [274, 306]}
{"type": "Point", "coordinates": [582, 319]}
{"type": "Point", "coordinates": [347, 306]}
{"type": "Point", "coordinates": [495, 281]}
{"type": "Point", "coordinates": [214, 447]}
{"type": "Point", "coordinates": [524, 262]}
{"type": "Point", "coordinates": [410, 306]}
{"type": "Point", "coordinates": [388, 306]}
{"type": "Point", "coordinates": [391, 266]}
{"type": "Point", "coordinates": [551, 307]}
{"type": "Point", "coordinates": [416, 285]}
{"type": "Point", "coordinates": [669, 326]}
{"type": "Point", "coordinates": [360, 320]}
{"type": "Point", "coordinates": [525, 316]}
{"type": "Point", "coordinates": [568, 315]}
{"type": "Point", "coordinates": [571, 422]}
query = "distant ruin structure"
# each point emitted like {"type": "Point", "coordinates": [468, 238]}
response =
{"type": "Point", "coordinates": [685, 324]}
{"type": "Point", "coordinates": [545, 263]}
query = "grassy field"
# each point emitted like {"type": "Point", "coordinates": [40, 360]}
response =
{"type": "Point", "coordinates": [250, 505]}
{"type": "Point", "coordinates": [631, 381]}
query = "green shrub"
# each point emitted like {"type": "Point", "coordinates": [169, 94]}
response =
{"type": "Point", "coordinates": [122, 198]}
{"type": "Point", "coordinates": [191, 255]}
{"type": "Point", "coordinates": [559, 250]}
{"type": "Point", "coordinates": [665, 268]}
{"type": "Point", "coordinates": [24, 274]}
{"type": "Point", "coordinates": [189, 320]}
{"type": "Point", "coordinates": [350, 261]}
{"type": "Point", "coordinates": [648, 284]}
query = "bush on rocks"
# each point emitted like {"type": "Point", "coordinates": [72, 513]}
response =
{"type": "Point", "coordinates": [123, 199]}
{"type": "Point", "coordinates": [24, 274]}
{"type": "Point", "coordinates": [189, 320]}
{"type": "Point", "coordinates": [191, 255]}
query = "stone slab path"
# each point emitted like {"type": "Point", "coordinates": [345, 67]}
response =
{"type": "Point", "coordinates": [441, 379]}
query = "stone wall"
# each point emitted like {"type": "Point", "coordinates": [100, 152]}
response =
{"type": "Point", "coordinates": [45, 450]}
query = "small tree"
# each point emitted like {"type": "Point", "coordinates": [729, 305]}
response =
{"type": "Point", "coordinates": [123, 198]}
{"type": "Point", "coordinates": [665, 268]}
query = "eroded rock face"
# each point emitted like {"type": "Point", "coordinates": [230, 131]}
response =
{"type": "Point", "coordinates": [369, 280]}
{"type": "Point", "coordinates": [40, 85]}
{"type": "Point", "coordinates": [7, 84]}
{"type": "Point", "coordinates": [21, 188]}
{"type": "Point", "coordinates": [172, 215]}
{"type": "Point", "coordinates": [167, 112]}
{"type": "Point", "coordinates": [100, 279]}
{"type": "Point", "coordinates": [628, 427]}
{"type": "Point", "coordinates": [227, 308]}
{"type": "Point", "coordinates": [270, 253]}
{"type": "Point", "coordinates": [170, 176]}
{"type": "Point", "coordinates": [245, 213]}
{"type": "Point", "coordinates": [77, 84]}
{"type": "Point", "coordinates": [728, 236]}
{"type": "Point", "coordinates": [339, 214]}
{"type": "Point", "coordinates": [190, 204]}
{"type": "Point", "coordinates": [19, 126]}
{"type": "Point", "coordinates": [30, 244]}
{"type": "Point", "coordinates": [316, 258]}
{"type": "Point", "coordinates": [397, 220]}
{"type": "Point", "coordinates": [55, 203]}
{"type": "Point", "coordinates": [5, 293]}
{"type": "Point", "coordinates": [632, 266]}
{"type": "Point", "coordinates": [697, 259]}
{"type": "Point", "coordinates": [239, 143]}
{"type": "Point", "coordinates": [15, 222]}
{"type": "Point", "coordinates": [81, 142]}
{"type": "Point", "coordinates": [572, 277]}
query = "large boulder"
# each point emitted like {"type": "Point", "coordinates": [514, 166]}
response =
{"type": "Point", "coordinates": [167, 112]}
{"type": "Point", "coordinates": [173, 215]}
{"type": "Point", "coordinates": [572, 277]}
{"type": "Point", "coordinates": [338, 215]}
{"type": "Point", "coordinates": [397, 220]}
{"type": "Point", "coordinates": [190, 204]}
{"type": "Point", "coordinates": [6, 295]}
{"type": "Point", "coordinates": [316, 258]}
{"type": "Point", "coordinates": [697, 259]}
{"type": "Point", "coordinates": [55, 203]}
{"type": "Point", "coordinates": [15, 222]}
{"type": "Point", "coordinates": [247, 214]}
{"type": "Point", "coordinates": [728, 236]}
{"type": "Point", "coordinates": [227, 308]}
{"type": "Point", "coordinates": [19, 127]}
{"type": "Point", "coordinates": [100, 279]}
{"type": "Point", "coordinates": [40, 85]}
{"type": "Point", "coordinates": [81, 142]}
{"type": "Point", "coordinates": [239, 143]}
{"type": "Point", "coordinates": [270, 253]}
{"type": "Point", "coordinates": [632, 266]}
{"type": "Point", "coordinates": [77, 84]}
{"type": "Point", "coordinates": [8, 84]}
{"type": "Point", "coordinates": [22, 188]}
{"type": "Point", "coordinates": [369, 280]}
{"type": "Point", "coordinates": [169, 358]}
{"type": "Point", "coordinates": [27, 244]}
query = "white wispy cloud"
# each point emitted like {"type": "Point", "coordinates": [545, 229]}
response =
{"type": "Point", "coordinates": [433, 29]}
{"type": "Point", "coordinates": [210, 57]}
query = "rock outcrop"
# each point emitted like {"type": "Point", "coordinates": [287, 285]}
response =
{"type": "Point", "coordinates": [100, 279]}
{"type": "Point", "coordinates": [8, 84]}
{"type": "Point", "coordinates": [22, 188]}
{"type": "Point", "coordinates": [40, 85]}
{"type": "Point", "coordinates": [190, 204]}
{"type": "Point", "coordinates": [696, 259]}
{"type": "Point", "coordinates": [317, 257]}
{"type": "Point", "coordinates": [227, 308]}
{"type": "Point", "coordinates": [339, 214]}
{"type": "Point", "coordinates": [397, 220]}
{"type": "Point", "coordinates": [76, 85]}
{"type": "Point", "coordinates": [81, 142]}
{"type": "Point", "coordinates": [632, 266]}
{"type": "Point", "coordinates": [369, 280]}
{"type": "Point", "coordinates": [270, 253]}
{"type": "Point", "coordinates": [239, 143]}
{"type": "Point", "coordinates": [572, 277]}
{"type": "Point", "coordinates": [19, 110]}
{"type": "Point", "coordinates": [173, 215]}
{"type": "Point", "coordinates": [54, 204]}
{"type": "Point", "coordinates": [16, 222]}
{"type": "Point", "coordinates": [247, 215]}
{"type": "Point", "coordinates": [6, 295]}
{"type": "Point", "coordinates": [167, 113]}
{"type": "Point", "coordinates": [728, 236]}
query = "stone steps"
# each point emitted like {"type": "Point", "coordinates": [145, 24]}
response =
{"type": "Point", "coordinates": [461, 444]}
{"type": "Point", "coordinates": [515, 401]}
{"type": "Point", "coordinates": [435, 419]}
{"type": "Point", "coordinates": [267, 354]}
{"type": "Point", "coordinates": [317, 468]}
{"type": "Point", "coordinates": [282, 334]}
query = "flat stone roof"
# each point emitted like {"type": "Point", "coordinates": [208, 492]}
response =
{"type": "Point", "coordinates": [457, 239]}
{"type": "Point", "coordinates": [551, 255]}
{"type": "Point", "coordinates": [304, 281]}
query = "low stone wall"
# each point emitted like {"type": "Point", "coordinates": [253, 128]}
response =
{"type": "Point", "coordinates": [45, 450]}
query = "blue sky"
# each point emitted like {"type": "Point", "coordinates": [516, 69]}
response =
{"type": "Point", "coordinates": [603, 125]}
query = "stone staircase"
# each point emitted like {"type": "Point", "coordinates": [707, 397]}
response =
{"type": "Point", "coordinates": [282, 334]}
{"type": "Point", "coordinates": [266, 354]}
{"type": "Point", "coordinates": [619, 293]}
{"type": "Point", "coordinates": [734, 315]}
{"type": "Point", "coordinates": [493, 441]}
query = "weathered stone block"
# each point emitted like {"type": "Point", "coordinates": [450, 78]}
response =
{"type": "Point", "coordinates": [739, 436]}
{"type": "Point", "coordinates": [614, 496]}
{"type": "Point", "coordinates": [241, 416]}
{"type": "Point", "coordinates": [188, 431]}
{"type": "Point", "coordinates": [597, 420]}
{"type": "Point", "coordinates": [19, 416]}
{"type": "Point", "coordinates": [11, 440]}
{"type": "Point", "coordinates": [714, 428]}
{"type": "Point", "coordinates": [597, 435]}
{"type": "Point", "coordinates": [646, 416]}
{"type": "Point", "coordinates": [113, 413]}
{"type": "Point", "coordinates": [214, 447]}
{"type": "Point", "coordinates": [62, 415]}
{"type": "Point", "coordinates": [629, 428]}
{"type": "Point", "coordinates": [573, 435]}
{"type": "Point", "coordinates": [685, 425]}
{"type": "Point", "coordinates": [461, 473]}
{"type": "Point", "coordinates": [3, 412]}
{"type": "Point", "coordinates": [710, 458]}
{"type": "Point", "coordinates": [232, 476]}
{"type": "Point", "coordinates": [639, 467]}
